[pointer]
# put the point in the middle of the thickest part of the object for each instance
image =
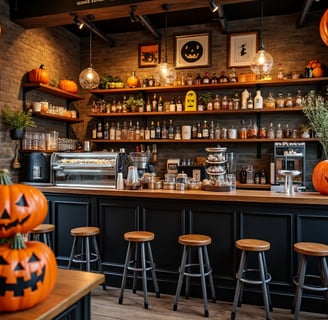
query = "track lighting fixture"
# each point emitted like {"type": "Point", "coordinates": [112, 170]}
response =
{"type": "Point", "coordinates": [213, 6]}
{"type": "Point", "coordinates": [78, 22]}
{"type": "Point", "coordinates": [133, 17]}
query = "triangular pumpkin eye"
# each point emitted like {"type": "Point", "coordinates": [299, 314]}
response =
{"type": "Point", "coordinates": [3, 261]}
{"type": "Point", "coordinates": [19, 267]}
{"type": "Point", "coordinates": [5, 215]}
{"type": "Point", "coordinates": [22, 201]}
{"type": "Point", "coordinates": [33, 258]}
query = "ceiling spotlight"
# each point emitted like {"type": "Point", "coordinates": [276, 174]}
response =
{"type": "Point", "coordinates": [78, 22]}
{"type": "Point", "coordinates": [133, 17]}
{"type": "Point", "coordinates": [213, 6]}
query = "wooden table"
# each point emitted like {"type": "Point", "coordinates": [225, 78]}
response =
{"type": "Point", "coordinates": [72, 291]}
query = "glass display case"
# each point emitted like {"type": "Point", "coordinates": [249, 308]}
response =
{"type": "Point", "coordinates": [84, 169]}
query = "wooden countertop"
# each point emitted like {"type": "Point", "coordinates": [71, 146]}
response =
{"type": "Point", "coordinates": [257, 196]}
{"type": "Point", "coordinates": [71, 286]}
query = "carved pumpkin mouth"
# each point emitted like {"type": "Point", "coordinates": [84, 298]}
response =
{"type": "Point", "coordinates": [13, 223]}
{"type": "Point", "coordinates": [20, 286]}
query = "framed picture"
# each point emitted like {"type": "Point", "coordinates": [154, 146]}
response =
{"type": "Point", "coordinates": [242, 47]}
{"type": "Point", "coordinates": [149, 55]}
{"type": "Point", "coordinates": [192, 51]}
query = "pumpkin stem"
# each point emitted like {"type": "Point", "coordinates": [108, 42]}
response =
{"type": "Point", "coordinates": [17, 242]}
{"type": "Point", "coordinates": [4, 176]}
{"type": "Point", "coordinates": [41, 66]}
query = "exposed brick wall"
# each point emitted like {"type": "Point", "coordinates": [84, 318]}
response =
{"type": "Point", "coordinates": [60, 52]}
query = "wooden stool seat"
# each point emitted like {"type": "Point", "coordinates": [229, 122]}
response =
{"type": "Point", "coordinates": [85, 231]}
{"type": "Point", "coordinates": [253, 245]}
{"type": "Point", "coordinates": [195, 240]}
{"type": "Point", "coordinates": [311, 249]}
{"type": "Point", "coordinates": [252, 276]}
{"type": "Point", "coordinates": [43, 228]}
{"type": "Point", "coordinates": [139, 236]}
{"type": "Point", "coordinates": [200, 268]}
{"type": "Point", "coordinates": [42, 233]}
{"type": "Point", "coordinates": [306, 281]}
{"type": "Point", "coordinates": [143, 261]}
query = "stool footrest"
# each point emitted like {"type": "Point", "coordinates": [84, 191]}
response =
{"type": "Point", "coordinates": [149, 266]}
{"type": "Point", "coordinates": [192, 274]}
{"type": "Point", "coordinates": [80, 258]}
{"type": "Point", "coordinates": [308, 286]}
{"type": "Point", "coordinates": [247, 280]}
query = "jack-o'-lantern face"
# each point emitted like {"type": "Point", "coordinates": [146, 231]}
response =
{"type": "Point", "coordinates": [27, 276]}
{"type": "Point", "coordinates": [192, 51]}
{"type": "Point", "coordinates": [22, 208]}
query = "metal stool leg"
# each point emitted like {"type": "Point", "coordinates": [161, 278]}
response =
{"type": "Point", "coordinates": [265, 291]}
{"type": "Point", "coordinates": [153, 273]}
{"type": "Point", "coordinates": [72, 253]}
{"type": "Point", "coordinates": [100, 269]}
{"type": "Point", "coordinates": [299, 283]}
{"type": "Point", "coordinates": [239, 274]}
{"type": "Point", "coordinates": [135, 248]}
{"type": "Point", "coordinates": [188, 267]}
{"type": "Point", "coordinates": [125, 271]}
{"type": "Point", "coordinates": [207, 262]}
{"type": "Point", "coordinates": [144, 274]}
{"type": "Point", "coordinates": [181, 275]}
{"type": "Point", "coordinates": [203, 281]}
{"type": "Point", "coordinates": [87, 253]}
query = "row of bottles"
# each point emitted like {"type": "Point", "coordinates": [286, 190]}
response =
{"type": "Point", "coordinates": [250, 176]}
{"type": "Point", "coordinates": [239, 100]}
{"type": "Point", "coordinates": [201, 130]}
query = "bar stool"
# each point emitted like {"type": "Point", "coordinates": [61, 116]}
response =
{"type": "Point", "coordinates": [244, 274]}
{"type": "Point", "coordinates": [137, 240]}
{"type": "Point", "coordinates": [88, 252]}
{"type": "Point", "coordinates": [202, 266]}
{"type": "Point", "coordinates": [306, 250]}
{"type": "Point", "coordinates": [42, 233]}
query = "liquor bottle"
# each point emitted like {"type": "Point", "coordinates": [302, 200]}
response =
{"type": "Point", "coordinates": [263, 177]}
{"type": "Point", "coordinates": [165, 133]}
{"type": "Point", "coordinates": [286, 131]}
{"type": "Point", "coordinates": [124, 107]}
{"type": "Point", "coordinates": [233, 75]}
{"type": "Point", "coordinates": [137, 131]}
{"type": "Point", "coordinates": [113, 107]}
{"type": "Point", "coordinates": [271, 132]}
{"type": "Point", "coordinates": [280, 101]}
{"type": "Point", "coordinates": [206, 79]}
{"type": "Point", "coordinates": [154, 153]}
{"type": "Point", "coordinates": [171, 130]}
{"type": "Point", "coordinates": [216, 102]}
{"type": "Point", "coordinates": [94, 132]}
{"type": "Point", "coordinates": [250, 102]}
{"type": "Point", "coordinates": [199, 131]}
{"type": "Point", "coordinates": [147, 133]}
{"type": "Point", "coordinates": [298, 99]}
{"type": "Point", "coordinates": [179, 105]}
{"type": "Point", "coordinates": [124, 131]}
{"type": "Point", "coordinates": [112, 131]}
{"type": "Point", "coordinates": [279, 132]}
{"type": "Point", "coordinates": [224, 103]}
{"type": "Point", "coordinates": [280, 74]}
{"type": "Point", "coordinates": [152, 130]}
{"type": "Point", "coordinates": [177, 133]}
{"type": "Point", "coordinates": [154, 104]}
{"type": "Point", "coordinates": [212, 130]}
{"type": "Point", "coordinates": [289, 101]}
{"type": "Point", "coordinates": [148, 105]}
{"type": "Point", "coordinates": [205, 130]}
{"type": "Point", "coordinates": [158, 131]}
{"type": "Point", "coordinates": [198, 79]}
{"type": "Point", "coordinates": [242, 175]}
{"type": "Point", "coordinates": [106, 131]}
{"type": "Point", "coordinates": [118, 132]}
{"type": "Point", "coordinates": [99, 131]}
{"type": "Point", "coordinates": [131, 131]}
{"type": "Point", "coordinates": [160, 107]}
{"type": "Point", "coordinates": [200, 104]}
{"type": "Point", "coordinates": [172, 105]}
{"type": "Point", "coordinates": [258, 100]}
{"type": "Point", "coordinates": [214, 79]}
{"type": "Point", "coordinates": [223, 78]}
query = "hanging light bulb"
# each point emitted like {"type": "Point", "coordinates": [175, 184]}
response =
{"type": "Point", "coordinates": [262, 62]}
{"type": "Point", "coordinates": [165, 74]}
{"type": "Point", "coordinates": [89, 78]}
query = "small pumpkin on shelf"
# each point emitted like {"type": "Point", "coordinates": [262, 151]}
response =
{"type": "Point", "coordinates": [68, 85]}
{"type": "Point", "coordinates": [39, 75]}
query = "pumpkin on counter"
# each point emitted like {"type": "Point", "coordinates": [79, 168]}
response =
{"type": "Point", "coordinates": [68, 85]}
{"type": "Point", "coordinates": [320, 177]}
{"type": "Point", "coordinates": [28, 273]}
{"type": "Point", "coordinates": [39, 75]}
{"type": "Point", "coordinates": [324, 27]}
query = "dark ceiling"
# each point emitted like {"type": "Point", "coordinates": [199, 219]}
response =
{"type": "Point", "coordinates": [235, 11]}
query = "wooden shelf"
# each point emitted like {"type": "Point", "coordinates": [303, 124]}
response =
{"type": "Point", "coordinates": [56, 117]}
{"type": "Point", "coordinates": [51, 90]}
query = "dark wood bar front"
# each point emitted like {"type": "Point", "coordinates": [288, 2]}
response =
{"type": "Point", "coordinates": [225, 216]}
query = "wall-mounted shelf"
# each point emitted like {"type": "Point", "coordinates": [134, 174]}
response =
{"type": "Point", "coordinates": [56, 117]}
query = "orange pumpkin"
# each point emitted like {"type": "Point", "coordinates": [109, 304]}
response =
{"type": "Point", "coordinates": [38, 75]}
{"type": "Point", "coordinates": [318, 72]}
{"type": "Point", "coordinates": [22, 207]}
{"type": "Point", "coordinates": [28, 273]}
{"type": "Point", "coordinates": [68, 85]}
{"type": "Point", "coordinates": [323, 28]}
{"type": "Point", "coordinates": [320, 177]}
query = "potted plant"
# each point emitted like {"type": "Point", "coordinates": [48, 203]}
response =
{"type": "Point", "coordinates": [135, 104]}
{"type": "Point", "coordinates": [17, 121]}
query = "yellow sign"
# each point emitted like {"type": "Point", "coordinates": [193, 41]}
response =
{"type": "Point", "coordinates": [190, 101]}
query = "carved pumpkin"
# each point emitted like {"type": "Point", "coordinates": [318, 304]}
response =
{"type": "Point", "coordinates": [68, 85]}
{"type": "Point", "coordinates": [22, 207]}
{"type": "Point", "coordinates": [318, 72]}
{"type": "Point", "coordinates": [39, 75]}
{"type": "Point", "coordinates": [320, 177]}
{"type": "Point", "coordinates": [28, 273]}
{"type": "Point", "coordinates": [324, 27]}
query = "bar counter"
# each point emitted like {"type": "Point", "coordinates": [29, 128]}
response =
{"type": "Point", "coordinates": [279, 218]}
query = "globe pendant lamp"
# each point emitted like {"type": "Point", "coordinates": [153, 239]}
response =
{"type": "Point", "coordinates": [165, 74]}
{"type": "Point", "coordinates": [89, 78]}
{"type": "Point", "coordinates": [262, 62]}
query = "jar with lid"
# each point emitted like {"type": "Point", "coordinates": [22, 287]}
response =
{"type": "Point", "coordinates": [270, 102]}
{"type": "Point", "coordinates": [280, 101]}
{"type": "Point", "coordinates": [223, 78]}
{"type": "Point", "coordinates": [298, 99]}
{"type": "Point", "coordinates": [289, 101]}
{"type": "Point", "coordinates": [243, 130]}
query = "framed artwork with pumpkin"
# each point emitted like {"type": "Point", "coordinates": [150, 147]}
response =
{"type": "Point", "coordinates": [192, 51]}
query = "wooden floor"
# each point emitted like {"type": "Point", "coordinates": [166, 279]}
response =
{"type": "Point", "coordinates": [104, 306]}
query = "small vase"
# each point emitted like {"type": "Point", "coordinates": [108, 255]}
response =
{"type": "Point", "coordinates": [16, 134]}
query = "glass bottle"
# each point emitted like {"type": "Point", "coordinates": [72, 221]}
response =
{"type": "Point", "coordinates": [206, 79]}
{"type": "Point", "coordinates": [177, 134]}
{"type": "Point", "coordinates": [250, 174]}
{"type": "Point", "coordinates": [137, 131]}
{"type": "Point", "coordinates": [113, 107]}
{"type": "Point", "coordinates": [263, 177]}
{"type": "Point", "coordinates": [152, 130]}
{"type": "Point", "coordinates": [286, 131]}
{"type": "Point", "coordinates": [179, 105]}
{"type": "Point", "coordinates": [242, 175]}
{"type": "Point", "coordinates": [233, 75]}
{"type": "Point", "coordinates": [106, 131]}
{"type": "Point", "coordinates": [147, 133]}
{"type": "Point", "coordinates": [133, 81]}
{"type": "Point", "coordinates": [280, 101]}
{"type": "Point", "coordinates": [217, 131]}
{"type": "Point", "coordinates": [224, 103]}
{"type": "Point", "coordinates": [270, 102]}
{"type": "Point", "coordinates": [216, 102]}
{"type": "Point", "coordinates": [279, 132]}
{"type": "Point", "coordinates": [94, 132]}
{"type": "Point", "coordinates": [154, 104]}
{"type": "Point", "coordinates": [280, 74]}
{"type": "Point", "coordinates": [244, 99]}
{"type": "Point", "coordinates": [289, 101]}
{"type": "Point", "coordinates": [243, 130]}
{"type": "Point", "coordinates": [212, 131]}
{"type": "Point", "coordinates": [199, 131]}
{"type": "Point", "coordinates": [258, 100]}
{"type": "Point", "coordinates": [172, 105]}
{"type": "Point", "coordinates": [205, 130]}
{"type": "Point", "coordinates": [160, 107]}
{"type": "Point", "coordinates": [99, 131]}
{"type": "Point", "coordinates": [198, 79]}
{"type": "Point", "coordinates": [214, 79]}
{"type": "Point", "coordinates": [148, 105]}
{"type": "Point", "coordinates": [158, 131]}
{"type": "Point", "coordinates": [298, 99]}
{"type": "Point", "coordinates": [271, 131]}
{"type": "Point", "coordinates": [118, 132]}
{"type": "Point", "coordinates": [223, 78]}
{"type": "Point", "coordinates": [209, 105]}
{"type": "Point", "coordinates": [131, 131]}
{"type": "Point", "coordinates": [124, 131]}
{"type": "Point", "coordinates": [236, 101]}
{"type": "Point", "coordinates": [171, 130]}
{"type": "Point", "coordinates": [112, 130]}
{"type": "Point", "coordinates": [165, 133]}
{"type": "Point", "coordinates": [250, 102]}
{"type": "Point", "coordinates": [200, 104]}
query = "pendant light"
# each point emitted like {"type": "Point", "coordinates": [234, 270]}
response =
{"type": "Point", "coordinates": [165, 74]}
{"type": "Point", "coordinates": [262, 62]}
{"type": "Point", "coordinates": [89, 78]}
